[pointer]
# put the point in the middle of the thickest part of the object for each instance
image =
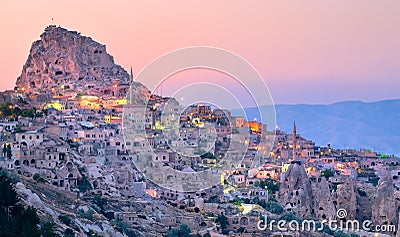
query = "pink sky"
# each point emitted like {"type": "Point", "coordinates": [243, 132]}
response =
{"type": "Point", "coordinates": [307, 51]}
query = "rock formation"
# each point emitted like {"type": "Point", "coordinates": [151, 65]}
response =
{"type": "Point", "coordinates": [384, 208]}
{"type": "Point", "coordinates": [324, 207]}
{"type": "Point", "coordinates": [346, 198]}
{"type": "Point", "coordinates": [63, 60]}
{"type": "Point", "coordinates": [366, 193]}
{"type": "Point", "coordinates": [296, 193]}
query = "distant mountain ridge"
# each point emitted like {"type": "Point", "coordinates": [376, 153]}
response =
{"type": "Point", "coordinates": [348, 124]}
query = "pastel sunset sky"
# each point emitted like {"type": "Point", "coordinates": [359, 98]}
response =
{"type": "Point", "coordinates": [307, 51]}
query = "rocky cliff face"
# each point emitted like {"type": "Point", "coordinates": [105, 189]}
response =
{"type": "Point", "coordinates": [324, 207]}
{"type": "Point", "coordinates": [347, 199]}
{"type": "Point", "coordinates": [384, 208]}
{"type": "Point", "coordinates": [64, 59]}
{"type": "Point", "coordinates": [296, 193]}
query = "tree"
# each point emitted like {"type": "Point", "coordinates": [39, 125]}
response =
{"type": "Point", "coordinates": [48, 230]}
{"type": "Point", "coordinates": [241, 229]}
{"type": "Point", "coordinates": [8, 196]}
{"type": "Point", "coordinates": [373, 180]}
{"type": "Point", "coordinates": [28, 113]}
{"type": "Point", "coordinates": [121, 226]}
{"type": "Point", "coordinates": [269, 184]}
{"type": "Point", "coordinates": [100, 202]}
{"type": "Point", "coordinates": [6, 109]}
{"type": "Point", "coordinates": [5, 150]}
{"type": "Point", "coordinates": [65, 219]}
{"type": "Point", "coordinates": [236, 202]}
{"type": "Point", "coordinates": [44, 112]}
{"type": "Point", "coordinates": [222, 220]}
{"type": "Point", "coordinates": [173, 233]}
{"type": "Point", "coordinates": [28, 223]}
{"type": "Point", "coordinates": [38, 178]}
{"type": "Point", "coordinates": [21, 101]}
{"type": "Point", "coordinates": [17, 111]}
{"type": "Point", "coordinates": [15, 219]}
{"type": "Point", "coordinates": [272, 207]}
{"type": "Point", "coordinates": [79, 95]}
{"type": "Point", "coordinates": [87, 215]}
{"type": "Point", "coordinates": [327, 173]}
{"type": "Point", "coordinates": [9, 152]}
{"type": "Point", "coordinates": [18, 129]}
{"type": "Point", "coordinates": [84, 184]}
{"type": "Point", "coordinates": [207, 155]}
{"type": "Point", "coordinates": [183, 231]}
{"type": "Point", "coordinates": [69, 233]}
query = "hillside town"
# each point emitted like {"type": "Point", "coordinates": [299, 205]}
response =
{"type": "Point", "coordinates": [65, 130]}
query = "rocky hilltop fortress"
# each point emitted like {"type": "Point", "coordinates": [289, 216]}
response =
{"type": "Point", "coordinates": [62, 61]}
